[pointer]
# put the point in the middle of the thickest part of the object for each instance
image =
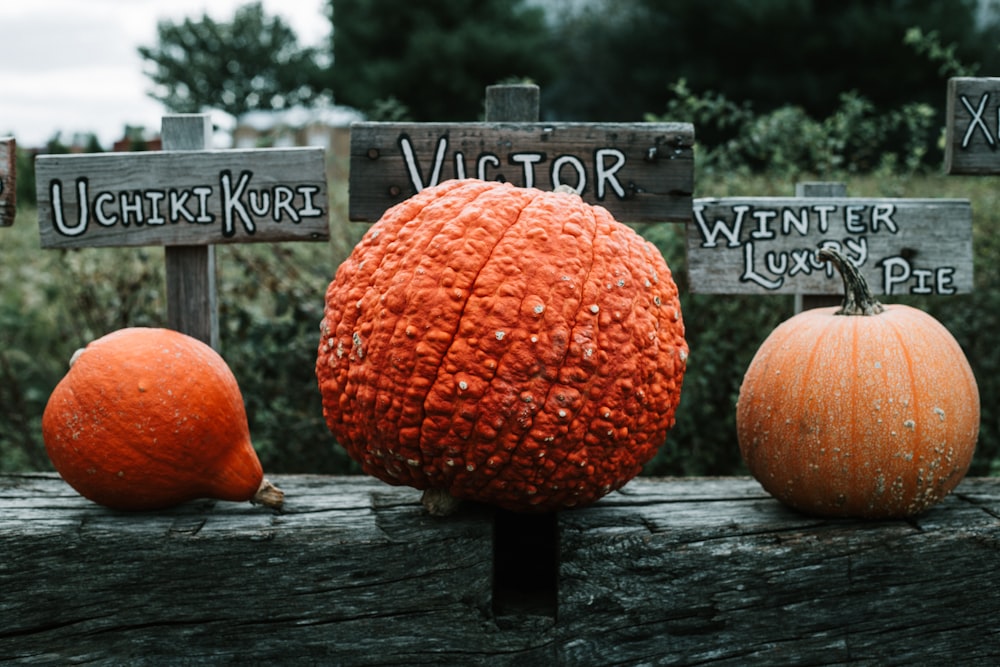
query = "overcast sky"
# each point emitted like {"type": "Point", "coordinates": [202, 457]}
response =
{"type": "Point", "coordinates": [72, 66]}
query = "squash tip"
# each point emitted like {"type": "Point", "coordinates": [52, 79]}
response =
{"type": "Point", "coordinates": [268, 495]}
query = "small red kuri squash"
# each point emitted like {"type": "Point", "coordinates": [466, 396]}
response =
{"type": "Point", "coordinates": [504, 345]}
{"type": "Point", "coordinates": [865, 411]}
{"type": "Point", "coordinates": [149, 418]}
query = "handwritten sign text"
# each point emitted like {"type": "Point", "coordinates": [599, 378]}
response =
{"type": "Point", "coordinates": [182, 198]}
{"type": "Point", "coordinates": [641, 172]}
{"type": "Point", "coordinates": [769, 244]}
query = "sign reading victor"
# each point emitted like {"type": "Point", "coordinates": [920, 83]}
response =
{"type": "Point", "coordinates": [768, 244]}
{"type": "Point", "coordinates": [182, 197]}
{"type": "Point", "coordinates": [972, 141]}
{"type": "Point", "coordinates": [640, 172]}
{"type": "Point", "coordinates": [8, 201]}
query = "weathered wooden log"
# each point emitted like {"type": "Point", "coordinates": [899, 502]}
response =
{"type": "Point", "coordinates": [353, 572]}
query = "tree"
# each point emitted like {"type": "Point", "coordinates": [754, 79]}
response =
{"type": "Point", "coordinates": [252, 62]}
{"type": "Point", "coordinates": [435, 57]}
{"type": "Point", "coordinates": [618, 60]}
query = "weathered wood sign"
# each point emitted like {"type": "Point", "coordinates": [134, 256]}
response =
{"type": "Point", "coordinates": [641, 172]}
{"type": "Point", "coordinates": [8, 186]}
{"type": "Point", "coordinates": [182, 197]}
{"type": "Point", "coordinates": [972, 134]}
{"type": "Point", "coordinates": [767, 245]}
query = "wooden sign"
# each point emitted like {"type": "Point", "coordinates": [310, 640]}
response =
{"type": "Point", "coordinates": [767, 245]}
{"type": "Point", "coordinates": [185, 198]}
{"type": "Point", "coordinates": [8, 186]}
{"type": "Point", "coordinates": [641, 172]}
{"type": "Point", "coordinates": [972, 134]}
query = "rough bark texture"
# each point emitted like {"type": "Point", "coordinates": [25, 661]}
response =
{"type": "Point", "coordinates": [693, 571]}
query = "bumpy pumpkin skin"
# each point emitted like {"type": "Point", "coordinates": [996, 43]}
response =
{"type": "Point", "coordinates": [859, 416]}
{"type": "Point", "coordinates": [505, 345]}
{"type": "Point", "coordinates": [150, 418]}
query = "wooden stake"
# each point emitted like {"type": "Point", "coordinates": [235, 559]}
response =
{"type": "Point", "coordinates": [191, 293]}
{"type": "Point", "coordinates": [818, 189]}
{"type": "Point", "coordinates": [513, 103]}
{"type": "Point", "coordinates": [8, 187]}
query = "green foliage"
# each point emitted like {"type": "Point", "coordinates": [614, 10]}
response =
{"type": "Point", "coordinates": [854, 138]}
{"type": "Point", "coordinates": [434, 57]}
{"type": "Point", "coordinates": [252, 62]}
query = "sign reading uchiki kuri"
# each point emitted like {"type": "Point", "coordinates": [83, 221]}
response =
{"type": "Point", "coordinates": [640, 172]}
{"type": "Point", "coordinates": [182, 197]}
{"type": "Point", "coordinates": [768, 245]}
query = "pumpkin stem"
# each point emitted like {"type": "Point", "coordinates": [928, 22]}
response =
{"type": "Point", "coordinates": [439, 502]}
{"type": "Point", "coordinates": [268, 495]}
{"type": "Point", "coordinates": [858, 297]}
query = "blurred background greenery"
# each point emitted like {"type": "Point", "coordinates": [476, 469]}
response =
{"type": "Point", "coordinates": [780, 91]}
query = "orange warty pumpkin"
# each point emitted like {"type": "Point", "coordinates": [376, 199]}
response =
{"type": "Point", "coordinates": [150, 418]}
{"type": "Point", "coordinates": [503, 345]}
{"type": "Point", "coordinates": [866, 411]}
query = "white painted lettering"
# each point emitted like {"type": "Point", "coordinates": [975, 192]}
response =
{"type": "Point", "coordinates": [732, 233]}
{"type": "Point", "coordinates": [763, 217]}
{"type": "Point", "coordinates": [527, 162]}
{"type": "Point", "coordinates": [55, 192]}
{"type": "Point", "coordinates": [309, 209]}
{"type": "Point", "coordinates": [133, 207]}
{"type": "Point", "coordinates": [413, 167]}
{"type": "Point", "coordinates": [232, 203]}
{"type": "Point", "coordinates": [577, 165]}
{"type": "Point", "coordinates": [283, 197]}
{"type": "Point", "coordinates": [176, 205]}
{"type": "Point", "coordinates": [259, 202]}
{"type": "Point", "coordinates": [99, 214]}
{"type": "Point", "coordinates": [484, 159]}
{"type": "Point", "coordinates": [604, 175]}
{"type": "Point", "coordinates": [154, 197]}
{"type": "Point", "coordinates": [977, 121]}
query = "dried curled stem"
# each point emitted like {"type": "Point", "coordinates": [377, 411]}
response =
{"type": "Point", "coordinates": [268, 495]}
{"type": "Point", "coordinates": [858, 297]}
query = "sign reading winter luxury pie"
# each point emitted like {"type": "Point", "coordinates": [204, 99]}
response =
{"type": "Point", "coordinates": [768, 244]}
{"type": "Point", "coordinates": [640, 172]}
{"type": "Point", "coordinates": [185, 198]}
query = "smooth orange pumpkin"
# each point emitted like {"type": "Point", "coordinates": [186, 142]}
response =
{"type": "Point", "coordinates": [149, 418]}
{"type": "Point", "coordinates": [504, 345]}
{"type": "Point", "coordinates": [865, 411]}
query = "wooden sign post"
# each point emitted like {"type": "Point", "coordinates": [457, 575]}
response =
{"type": "Point", "coordinates": [767, 245]}
{"type": "Point", "coordinates": [8, 184]}
{"type": "Point", "coordinates": [972, 130]}
{"type": "Point", "coordinates": [187, 199]}
{"type": "Point", "coordinates": [640, 172]}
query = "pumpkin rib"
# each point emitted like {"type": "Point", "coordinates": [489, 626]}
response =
{"type": "Point", "coordinates": [426, 439]}
{"type": "Point", "coordinates": [423, 442]}
{"type": "Point", "coordinates": [550, 395]}
{"type": "Point", "coordinates": [385, 388]}
{"type": "Point", "coordinates": [556, 366]}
